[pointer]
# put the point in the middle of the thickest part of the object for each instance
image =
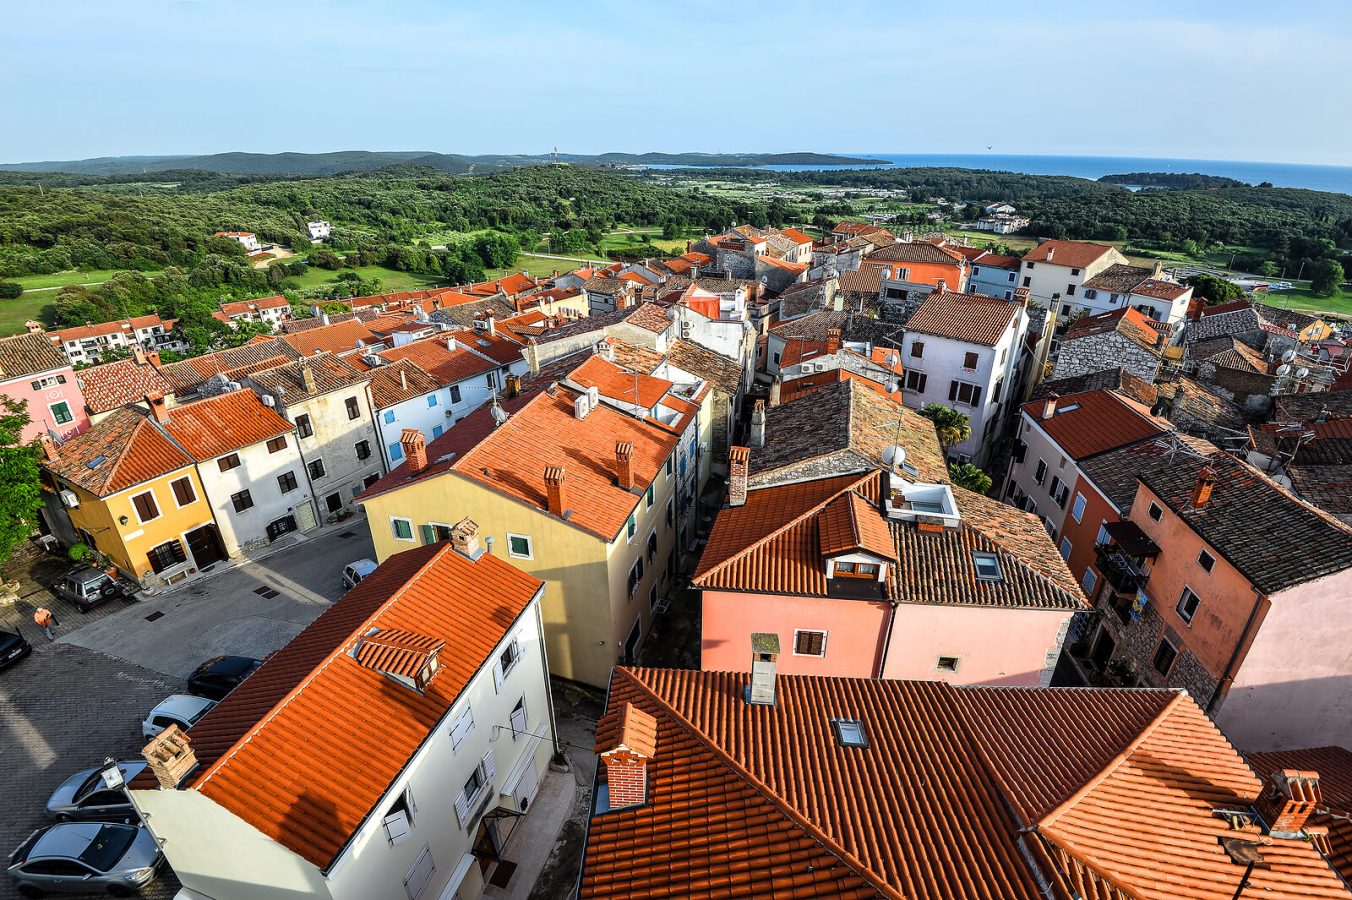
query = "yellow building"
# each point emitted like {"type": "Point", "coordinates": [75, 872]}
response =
{"type": "Point", "coordinates": [131, 493]}
{"type": "Point", "coordinates": [581, 486]}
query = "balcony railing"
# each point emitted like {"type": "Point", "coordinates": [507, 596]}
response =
{"type": "Point", "coordinates": [1120, 570]}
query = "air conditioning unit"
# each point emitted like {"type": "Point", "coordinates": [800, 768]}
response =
{"type": "Point", "coordinates": [687, 328]}
{"type": "Point", "coordinates": [69, 499]}
{"type": "Point", "coordinates": [450, 414]}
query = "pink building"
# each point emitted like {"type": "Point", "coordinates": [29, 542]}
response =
{"type": "Point", "coordinates": [33, 369]}
{"type": "Point", "coordinates": [873, 575]}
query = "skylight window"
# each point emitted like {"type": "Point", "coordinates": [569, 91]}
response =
{"type": "Point", "coordinates": [96, 462]}
{"type": "Point", "coordinates": [1069, 407]}
{"type": "Point", "coordinates": [849, 732]}
{"type": "Point", "coordinates": [987, 566]}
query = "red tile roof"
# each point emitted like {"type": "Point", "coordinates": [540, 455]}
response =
{"type": "Point", "coordinates": [794, 267]}
{"type": "Point", "coordinates": [650, 317]}
{"type": "Point", "coordinates": [1130, 323]}
{"type": "Point", "coordinates": [614, 382]}
{"type": "Point", "coordinates": [115, 384]}
{"type": "Point", "coordinates": [399, 381]}
{"type": "Point", "coordinates": [1334, 765]}
{"type": "Point", "coordinates": [241, 307]}
{"type": "Point", "coordinates": [1095, 422]}
{"type": "Point", "coordinates": [122, 451]}
{"type": "Point", "coordinates": [224, 423]}
{"type": "Point", "coordinates": [305, 748]}
{"type": "Point", "coordinates": [29, 354]}
{"type": "Point", "coordinates": [973, 318]}
{"type": "Point", "coordinates": [337, 338]}
{"type": "Point", "coordinates": [434, 357]}
{"type": "Point", "coordinates": [795, 235]}
{"type": "Point", "coordinates": [127, 326]}
{"type": "Point", "coordinates": [1072, 254]}
{"type": "Point", "coordinates": [995, 261]}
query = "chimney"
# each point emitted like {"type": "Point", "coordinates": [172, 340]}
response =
{"type": "Point", "coordinates": [138, 354]}
{"type": "Point", "coordinates": [1021, 296]}
{"type": "Point", "coordinates": [739, 463]}
{"type": "Point", "coordinates": [307, 377]}
{"type": "Point", "coordinates": [159, 409]}
{"type": "Point", "coordinates": [170, 756]}
{"type": "Point", "coordinates": [554, 476]}
{"type": "Point", "coordinates": [833, 341]}
{"type": "Point", "coordinates": [758, 425]}
{"type": "Point", "coordinates": [533, 355]}
{"type": "Point", "coordinates": [153, 356]}
{"type": "Point", "coordinates": [49, 449]}
{"type": "Point", "coordinates": [1049, 406]}
{"type": "Point", "coordinates": [627, 762]}
{"type": "Point", "coordinates": [1288, 800]}
{"type": "Point", "coordinates": [465, 538]}
{"type": "Point", "coordinates": [1206, 483]}
{"type": "Point", "coordinates": [624, 465]}
{"type": "Point", "coordinates": [942, 285]}
{"type": "Point", "coordinates": [451, 344]}
{"type": "Point", "coordinates": [403, 378]}
{"type": "Point", "coordinates": [1050, 252]}
{"type": "Point", "coordinates": [491, 324]}
{"type": "Point", "coordinates": [764, 653]}
{"type": "Point", "coordinates": [415, 448]}
{"type": "Point", "coordinates": [324, 318]}
{"type": "Point", "coordinates": [775, 387]}
{"type": "Point", "coordinates": [513, 385]}
{"type": "Point", "coordinates": [33, 327]}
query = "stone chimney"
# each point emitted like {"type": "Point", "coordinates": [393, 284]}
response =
{"type": "Point", "coordinates": [1206, 483]}
{"type": "Point", "coordinates": [33, 326]}
{"type": "Point", "coordinates": [764, 656]}
{"type": "Point", "coordinates": [1289, 798]}
{"type": "Point", "coordinates": [170, 756]}
{"type": "Point", "coordinates": [49, 448]}
{"type": "Point", "coordinates": [776, 387]}
{"type": "Point", "coordinates": [554, 489]}
{"type": "Point", "coordinates": [324, 318]}
{"type": "Point", "coordinates": [307, 377]}
{"type": "Point", "coordinates": [624, 465]}
{"type": "Point", "coordinates": [1050, 252]}
{"type": "Point", "coordinates": [739, 465]}
{"type": "Point", "coordinates": [758, 425]}
{"type": "Point", "coordinates": [159, 407]}
{"type": "Point", "coordinates": [533, 355]}
{"type": "Point", "coordinates": [465, 538]}
{"type": "Point", "coordinates": [138, 354]}
{"type": "Point", "coordinates": [833, 341]}
{"type": "Point", "coordinates": [1048, 406]}
{"type": "Point", "coordinates": [627, 762]}
{"type": "Point", "coordinates": [415, 449]}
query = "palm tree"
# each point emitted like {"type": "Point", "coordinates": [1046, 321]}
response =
{"type": "Point", "coordinates": [952, 426]}
{"type": "Point", "coordinates": [966, 475]}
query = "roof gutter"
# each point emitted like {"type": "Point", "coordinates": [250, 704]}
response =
{"type": "Point", "coordinates": [1260, 603]}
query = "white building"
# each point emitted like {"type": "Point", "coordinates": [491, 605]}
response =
{"type": "Point", "coordinates": [994, 276]}
{"type": "Point", "coordinates": [391, 750]}
{"type": "Point", "coordinates": [1142, 288]}
{"type": "Point", "coordinates": [319, 230]}
{"type": "Point", "coordinates": [273, 310]}
{"type": "Point", "coordinates": [247, 239]}
{"type": "Point", "coordinates": [1055, 272]}
{"type": "Point", "coordinates": [962, 351]}
{"type": "Point", "coordinates": [86, 344]}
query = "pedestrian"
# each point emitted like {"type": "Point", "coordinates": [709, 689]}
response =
{"type": "Point", "coordinates": [44, 618]}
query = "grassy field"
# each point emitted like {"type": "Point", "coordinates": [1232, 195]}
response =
{"type": "Point", "coordinates": [13, 313]}
{"type": "Point", "coordinates": [539, 266]}
{"type": "Point", "coordinates": [1301, 298]}
{"type": "Point", "coordinates": [61, 279]}
{"type": "Point", "coordinates": [390, 279]}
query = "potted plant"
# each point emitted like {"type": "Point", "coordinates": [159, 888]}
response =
{"type": "Point", "coordinates": [79, 552]}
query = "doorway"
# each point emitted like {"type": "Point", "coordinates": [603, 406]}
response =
{"type": "Point", "coordinates": [631, 643]}
{"type": "Point", "coordinates": [333, 502]}
{"type": "Point", "coordinates": [205, 545]}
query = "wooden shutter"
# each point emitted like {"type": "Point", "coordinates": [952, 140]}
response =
{"type": "Point", "coordinates": [145, 506]}
{"type": "Point", "coordinates": [518, 720]}
{"type": "Point", "coordinates": [429, 534]}
{"type": "Point", "coordinates": [976, 396]}
{"type": "Point", "coordinates": [499, 677]}
{"type": "Point", "coordinates": [462, 808]}
{"type": "Point", "coordinates": [490, 767]}
{"type": "Point", "coordinates": [462, 727]}
{"type": "Point", "coordinates": [952, 391]}
{"type": "Point", "coordinates": [397, 828]}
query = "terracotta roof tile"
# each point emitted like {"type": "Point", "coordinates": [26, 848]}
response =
{"type": "Point", "coordinates": [122, 451]}
{"type": "Point", "coordinates": [336, 338]}
{"type": "Point", "coordinates": [434, 356]}
{"type": "Point", "coordinates": [650, 317]}
{"type": "Point", "coordinates": [918, 252]}
{"type": "Point", "coordinates": [187, 374]}
{"type": "Point", "coordinates": [287, 381]}
{"type": "Point", "coordinates": [1334, 765]}
{"type": "Point", "coordinates": [1130, 323]}
{"type": "Point", "coordinates": [1072, 254]}
{"type": "Point", "coordinates": [974, 318]}
{"type": "Point", "coordinates": [113, 385]}
{"type": "Point", "coordinates": [400, 381]}
{"type": "Point", "coordinates": [29, 354]}
{"type": "Point", "coordinates": [1094, 422]}
{"type": "Point", "coordinates": [224, 423]}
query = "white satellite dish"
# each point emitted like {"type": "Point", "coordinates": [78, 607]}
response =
{"type": "Point", "coordinates": [894, 455]}
{"type": "Point", "coordinates": [499, 414]}
{"type": "Point", "coordinates": [1302, 372]}
{"type": "Point", "coordinates": [1283, 369]}
{"type": "Point", "coordinates": [1288, 356]}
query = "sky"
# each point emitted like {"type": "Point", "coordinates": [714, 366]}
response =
{"type": "Point", "coordinates": [1189, 78]}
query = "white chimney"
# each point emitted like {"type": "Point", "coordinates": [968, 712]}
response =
{"type": "Point", "coordinates": [764, 654]}
{"type": "Point", "coordinates": [451, 345]}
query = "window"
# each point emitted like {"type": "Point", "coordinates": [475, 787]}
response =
{"type": "Point", "coordinates": [242, 501]}
{"type": "Point", "coordinates": [648, 497]}
{"type": "Point", "coordinates": [437, 431]}
{"type": "Point", "coordinates": [50, 381]}
{"type": "Point", "coordinates": [652, 547]}
{"type": "Point", "coordinates": [287, 482]}
{"type": "Point", "coordinates": [170, 553]}
{"type": "Point", "coordinates": [146, 508]}
{"type": "Point", "coordinates": [518, 546]}
{"type": "Point", "coordinates": [987, 566]}
{"type": "Point", "coordinates": [1012, 276]}
{"type": "Point", "coordinates": [946, 664]}
{"type": "Point", "coordinates": [809, 643]}
{"type": "Point", "coordinates": [61, 413]}
{"type": "Point", "coordinates": [652, 598]}
{"type": "Point", "coordinates": [455, 393]}
{"type": "Point", "coordinates": [402, 529]}
{"type": "Point", "coordinates": [849, 732]}
{"type": "Point", "coordinates": [964, 392]}
{"type": "Point", "coordinates": [507, 660]}
{"type": "Point", "coordinates": [518, 720]}
{"type": "Point", "coordinates": [1028, 265]}
{"type": "Point", "coordinates": [669, 466]}
{"type": "Point", "coordinates": [1090, 293]}
{"type": "Point", "coordinates": [1070, 290]}
{"type": "Point", "coordinates": [635, 576]}
{"type": "Point", "coordinates": [1206, 561]}
{"type": "Point", "coordinates": [1040, 476]}
{"type": "Point", "coordinates": [1187, 605]}
{"type": "Point", "coordinates": [183, 491]}
{"type": "Point", "coordinates": [969, 360]}
{"type": "Point", "coordinates": [1089, 581]}
{"type": "Point", "coordinates": [1165, 654]}
{"type": "Point", "coordinates": [389, 417]}
{"type": "Point", "coordinates": [1065, 548]}
{"type": "Point", "coordinates": [277, 444]}
{"type": "Point", "coordinates": [353, 408]}
{"type": "Point", "coordinates": [226, 463]}
{"type": "Point", "coordinates": [462, 726]}
{"type": "Point", "coordinates": [1154, 511]}
{"type": "Point", "coordinates": [918, 349]}
{"type": "Point", "coordinates": [776, 356]}
{"type": "Point", "coordinates": [856, 570]}
{"type": "Point", "coordinates": [1060, 491]}
{"type": "Point", "coordinates": [399, 819]}
{"type": "Point", "coordinates": [1077, 509]}
{"type": "Point", "coordinates": [1028, 279]}
{"type": "Point", "coordinates": [431, 400]}
{"type": "Point", "coordinates": [915, 381]}
{"type": "Point", "coordinates": [363, 449]}
{"type": "Point", "coordinates": [316, 468]}
{"type": "Point", "coordinates": [474, 786]}
{"type": "Point", "coordinates": [420, 875]}
{"type": "Point", "coordinates": [671, 512]}
{"type": "Point", "coordinates": [396, 452]}
{"type": "Point", "coordinates": [630, 527]}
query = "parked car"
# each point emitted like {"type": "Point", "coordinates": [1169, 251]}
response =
{"type": "Point", "coordinates": [85, 796]}
{"type": "Point", "coordinates": [220, 675]}
{"type": "Point", "coordinates": [183, 710]}
{"type": "Point", "coordinates": [82, 857]}
{"type": "Point", "coordinates": [88, 587]}
{"type": "Point", "coordinates": [354, 572]}
{"type": "Point", "coordinates": [13, 648]}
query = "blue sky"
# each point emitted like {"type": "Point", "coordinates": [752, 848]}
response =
{"type": "Point", "coordinates": [1210, 80]}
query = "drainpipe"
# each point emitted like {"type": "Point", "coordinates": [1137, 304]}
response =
{"type": "Point", "coordinates": [887, 636]}
{"type": "Point", "coordinates": [1245, 638]}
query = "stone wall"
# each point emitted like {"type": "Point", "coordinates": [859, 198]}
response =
{"type": "Point", "coordinates": [1094, 353]}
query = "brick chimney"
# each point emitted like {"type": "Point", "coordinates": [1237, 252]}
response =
{"type": "Point", "coordinates": [554, 488]}
{"type": "Point", "coordinates": [627, 762]}
{"type": "Point", "coordinates": [1048, 406]}
{"type": "Point", "coordinates": [776, 387]}
{"type": "Point", "coordinates": [513, 385]}
{"type": "Point", "coordinates": [1289, 798]}
{"type": "Point", "coordinates": [415, 448]}
{"type": "Point", "coordinates": [307, 377]}
{"type": "Point", "coordinates": [49, 448]}
{"type": "Point", "coordinates": [624, 465]}
{"type": "Point", "coordinates": [138, 354]}
{"type": "Point", "coordinates": [465, 538]}
{"type": "Point", "coordinates": [159, 408]}
{"type": "Point", "coordinates": [764, 656]}
{"type": "Point", "coordinates": [739, 465]}
{"type": "Point", "coordinates": [1206, 483]}
{"type": "Point", "coordinates": [170, 756]}
{"type": "Point", "coordinates": [833, 341]}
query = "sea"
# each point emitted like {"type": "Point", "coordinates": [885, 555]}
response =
{"type": "Point", "coordinates": [1317, 178]}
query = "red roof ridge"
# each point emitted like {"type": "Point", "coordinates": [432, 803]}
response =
{"type": "Point", "coordinates": [1112, 766]}
{"type": "Point", "coordinates": [339, 649]}
{"type": "Point", "coordinates": [875, 879]}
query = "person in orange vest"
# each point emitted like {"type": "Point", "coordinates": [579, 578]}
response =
{"type": "Point", "coordinates": [44, 618]}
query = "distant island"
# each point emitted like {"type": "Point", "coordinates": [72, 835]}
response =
{"type": "Point", "coordinates": [362, 161]}
{"type": "Point", "coordinates": [1173, 181]}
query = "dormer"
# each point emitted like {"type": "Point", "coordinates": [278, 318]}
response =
{"type": "Point", "coordinates": [411, 659]}
{"type": "Point", "coordinates": [855, 543]}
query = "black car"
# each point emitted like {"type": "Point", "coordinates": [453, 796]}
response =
{"type": "Point", "coordinates": [13, 648]}
{"type": "Point", "coordinates": [219, 676]}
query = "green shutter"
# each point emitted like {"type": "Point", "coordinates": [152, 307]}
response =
{"type": "Point", "coordinates": [429, 534]}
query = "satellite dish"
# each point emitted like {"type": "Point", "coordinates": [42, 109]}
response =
{"type": "Point", "coordinates": [499, 414]}
{"type": "Point", "coordinates": [1288, 356]}
{"type": "Point", "coordinates": [894, 455]}
{"type": "Point", "coordinates": [1283, 369]}
{"type": "Point", "coordinates": [1302, 372]}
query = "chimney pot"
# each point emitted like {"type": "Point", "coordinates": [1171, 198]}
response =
{"type": "Point", "coordinates": [307, 377]}
{"type": "Point", "coordinates": [627, 762]}
{"type": "Point", "coordinates": [764, 656]}
{"type": "Point", "coordinates": [776, 387]}
{"type": "Point", "coordinates": [138, 354]}
{"type": "Point", "coordinates": [624, 465]}
{"type": "Point", "coordinates": [739, 465]}
{"type": "Point", "coordinates": [170, 756]}
{"type": "Point", "coordinates": [49, 448]}
{"type": "Point", "coordinates": [554, 489]}
{"type": "Point", "coordinates": [833, 341]}
{"type": "Point", "coordinates": [513, 385]}
{"type": "Point", "coordinates": [159, 409]}
{"type": "Point", "coordinates": [465, 538]}
{"type": "Point", "coordinates": [1206, 483]}
{"type": "Point", "coordinates": [1289, 798]}
{"type": "Point", "coordinates": [1049, 406]}
{"type": "Point", "coordinates": [415, 449]}
{"type": "Point", "coordinates": [758, 425]}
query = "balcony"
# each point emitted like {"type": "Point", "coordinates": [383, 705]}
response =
{"type": "Point", "coordinates": [1122, 572]}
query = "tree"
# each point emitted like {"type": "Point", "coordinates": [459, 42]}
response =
{"type": "Point", "coordinates": [1268, 269]}
{"type": "Point", "coordinates": [1326, 278]}
{"type": "Point", "coordinates": [966, 475]}
{"type": "Point", "coordinates": [1214, 290]}
{"type": "Point", "coordinates": [952, 426]}
{"type": "Point", "coordinates": [10, 289]}
{"type": "Point", "coordinates": [20, 484]}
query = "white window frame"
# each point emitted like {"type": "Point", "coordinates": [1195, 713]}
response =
{"type": "Point", "coordinates": [530, 546]}
{"type": "Point", "coordinates": [465, 806]}
{"type": "Point", "coordinates": [1077, 508]}
{"type": "Point", "coordinates": [412, 534]}
{"type": "Point", "coordinates": [1089, 581]}
{"type": "Point", "coordinates": [499, 673]}
{"type": "Point", "coordinates": [986, 556]}
{"type": "Point", "coordinates": [1178, 607]}
{"type": "Point", "coordinates": [940, 667]}
{"type": "Point", "coordinates": [153, 499]}
{"type": "Point", "coordinates": [826, 637]}
{"type": "Point", "coordinates": [462, 726]}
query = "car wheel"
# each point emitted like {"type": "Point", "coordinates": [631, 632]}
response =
{"type": "Point", "coordinates": [80, 609]}
{"type": "Point", "coordinates": [62, 817]}
{"type": "Point", "coordinates": [28, 890]}
{"type": "Point", "coordinates": [118, 890]}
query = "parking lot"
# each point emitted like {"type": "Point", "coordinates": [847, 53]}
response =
{"type": "Point", "coordinates": [81, 699]}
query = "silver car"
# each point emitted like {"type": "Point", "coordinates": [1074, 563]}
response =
{"type": "Point", "coordinates": [84, 857]}
{"type": "Point", "coordinates": [85, 796]}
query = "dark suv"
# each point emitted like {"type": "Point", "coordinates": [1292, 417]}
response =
{"type": "Point", "coordinates": [88, 587]}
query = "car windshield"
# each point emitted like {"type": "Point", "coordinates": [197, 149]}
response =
{"type": "Point", "coordinates": [192, 720]}
{"type": "Point", "coordinates": [108, 846]}
{"type": "Point", "coordinates": [93, 783]}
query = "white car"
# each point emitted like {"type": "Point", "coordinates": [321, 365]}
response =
{"type": "Point", "coordinates": [354, 572]}
{"type": "Point", "coordinates": [183, 710]}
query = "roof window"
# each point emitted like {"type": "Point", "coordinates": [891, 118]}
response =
{"type": "Point", "coordinates": [849, 732]}
{"type": "Point", "coordinates": [987, 566]}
